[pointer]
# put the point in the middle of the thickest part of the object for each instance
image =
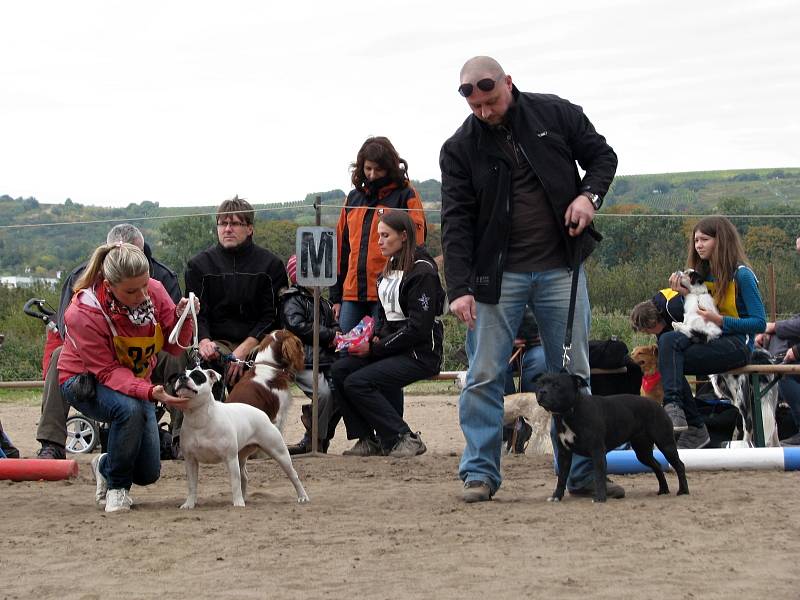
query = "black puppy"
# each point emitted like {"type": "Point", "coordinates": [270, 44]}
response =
{"type": "Point", "coordinates": [592, 425]}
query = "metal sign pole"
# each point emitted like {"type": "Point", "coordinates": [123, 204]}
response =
{"type": "Point", "coordinates": [315, 361]}
{"type": "Point", "coordinates": [316, 267]}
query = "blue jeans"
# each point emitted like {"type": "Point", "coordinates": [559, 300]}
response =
{"type": "Point", "coordinates": [679, 356]}
{"type": "Point", "coordinates": [134, 454]}
{"type": "Point", "coordinates": [352, 312]}
{"type": "Point", "coordinates": [789, 386]}
{"type": "Point", "coordinates": [533, 364]}
{"type": "Point", "coordinates": [489, 346]}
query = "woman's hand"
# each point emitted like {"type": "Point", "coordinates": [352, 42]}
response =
{"type": "Point", "coordinates": [710, 315]}
{"type": "Point", "coordinates": [360, 351]}
{"type": "Point", "coordinates": [181, 306]}
{"type": "Point", "coordinates": [789, 358]}
{"type": "Point", "coordinates": [675, 284]}
{"type": "Point", "coordinates": [337, 308]}
{"type": "Point", "coordinates": [161, 395]}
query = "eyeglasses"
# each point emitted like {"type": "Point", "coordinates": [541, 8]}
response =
{"type": "Point", "coordinates": [234, 224]}
{"type": "Point", "coordinates": [484, 85]}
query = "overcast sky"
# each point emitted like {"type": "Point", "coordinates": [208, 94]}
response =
{"type": "Point", "coordinates": [188, 103]}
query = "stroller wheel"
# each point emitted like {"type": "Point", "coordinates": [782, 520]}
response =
{"type": "Point", "coordinates": [82, 435]}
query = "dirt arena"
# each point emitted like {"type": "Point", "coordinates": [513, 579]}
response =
{"type": "Point", "coordinates": [389, 528]}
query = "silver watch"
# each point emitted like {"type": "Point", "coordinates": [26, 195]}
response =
{"type": "Point", "coordinates": [595, 199]}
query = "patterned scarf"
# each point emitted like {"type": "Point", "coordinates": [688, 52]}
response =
{"type": "Point", "coordinates": [138, 315]}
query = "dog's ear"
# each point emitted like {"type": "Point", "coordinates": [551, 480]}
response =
{"type": "Point", "coordinates": [213, 376]}
{"type": "Point", "coordinates": [292, 351]}
{"type": "Point", "coordinates": [579, 382]}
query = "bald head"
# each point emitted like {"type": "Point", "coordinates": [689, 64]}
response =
{"type": "Point", "coordinates": [487, 89]}
{"type": "Point", "coordinates": [479, 67]}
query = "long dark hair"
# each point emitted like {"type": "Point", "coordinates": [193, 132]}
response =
{"type": "Point", "coordinates": [727, 255]}
{"type": "Point", "coordinates": [379, 150]}
{"type": "Point", "coordinates": [399, 221]}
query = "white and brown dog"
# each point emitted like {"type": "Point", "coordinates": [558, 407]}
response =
{"type": "Point", "coordinates": [266, 386]}
{"type": "Point", "coordinates": [694, 326]}
{"type": "Point", "coordinates": [214, 432]}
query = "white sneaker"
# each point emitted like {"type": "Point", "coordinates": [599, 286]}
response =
{"type": "Point", "coordinates": [101, 487]}
{"type": "Point", "coordinates": [117, 500]}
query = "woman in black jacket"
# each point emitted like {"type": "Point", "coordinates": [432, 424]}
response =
{"type": "Point", "coordinates": [407, 346]}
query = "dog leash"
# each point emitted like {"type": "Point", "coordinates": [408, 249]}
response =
{"type": "Point", "coordinates": [194, 348]}
{"type": "Point", "coordinates": [573, 294]}
{"type": "Point", "coordinates": [231, 358]}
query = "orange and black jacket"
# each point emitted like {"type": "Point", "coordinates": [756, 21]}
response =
{"type": "Point", "coordinates": [360, 259]}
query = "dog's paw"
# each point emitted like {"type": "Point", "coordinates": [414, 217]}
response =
{"type": "Point", "coordinates": [187, 505]}
{"type": "Point", "coordinates": [303, 499]}
{"type": "Point", "coordinates": [554, 499]}
{"type": "Point", "coordinates": [598, 500]}
{"type": "Point", "coordinates": [238, 503]}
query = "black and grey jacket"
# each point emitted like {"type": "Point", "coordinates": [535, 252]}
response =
{"type": "Point", "coordinates": [297, 313]}
{"type": "Point", "coordinates": [238, 291]}
{"type": "Point", "coordinates": [421, 301]}
{"type": "Point", "coordinates": [552, 134]}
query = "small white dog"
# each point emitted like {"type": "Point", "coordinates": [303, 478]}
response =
{"type": "Point", "coordinates": [214, 432]}
{"type": "Point", "coordinates": [694, 326]}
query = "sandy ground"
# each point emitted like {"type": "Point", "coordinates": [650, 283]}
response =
{"type": "Point", "coordinates": [389, 528]}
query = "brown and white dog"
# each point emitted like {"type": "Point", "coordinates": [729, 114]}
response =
{"type": "Point", "coordinates": [647, 358]}
{"type": "Point", "coordinates": [266, 386]}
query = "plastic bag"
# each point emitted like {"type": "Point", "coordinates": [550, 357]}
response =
{"type": "Point", "coordinates": [358, 335]}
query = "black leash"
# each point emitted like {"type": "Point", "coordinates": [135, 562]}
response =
{"type": "Point", "coordinates": [573, 294]}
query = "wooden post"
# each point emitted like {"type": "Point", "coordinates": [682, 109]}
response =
{"type": "Point", "coordinates": [315, 363]}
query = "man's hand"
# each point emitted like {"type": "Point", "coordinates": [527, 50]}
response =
{"type": "Point", "coordinates": [464, 309]}
{"type": "Point", "coordinates": [789, 358]}
{"type": "Point", "coordinates": [337, 308]}
{"type": "Point", "coordinates": [236, 369]}
{"type": "Point", "coordinates": [578, 216]}
{"type": "Point", "coordinates": [208, 349]}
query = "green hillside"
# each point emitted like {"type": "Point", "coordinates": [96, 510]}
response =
{"type": "Point", "coordinates": [50, 242]}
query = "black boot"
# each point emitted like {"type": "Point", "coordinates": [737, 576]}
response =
{"type": "Point", "coordinates": [301, 447]}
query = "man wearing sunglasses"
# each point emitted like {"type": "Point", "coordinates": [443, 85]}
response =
{"type": "Point", "coordinates": [237, 283]}
{"type": "Point", "coordinates": [514, 211]}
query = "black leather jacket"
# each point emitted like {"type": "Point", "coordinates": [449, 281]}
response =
{"type": "Point", "coordinates": [552, 134]}
{"type": "Point", "coordinates": [297, 312]}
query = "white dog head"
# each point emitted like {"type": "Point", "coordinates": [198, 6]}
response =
{"type": "Point", "coordinates": [196, 384]}
{"type": "Point", "coordinates": [692, 281]}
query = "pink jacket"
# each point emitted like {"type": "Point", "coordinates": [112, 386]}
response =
{"type": "Point", "coordinates": [89, 345]}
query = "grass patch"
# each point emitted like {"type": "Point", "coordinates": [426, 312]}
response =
{"type": "Point", "coordinates": [21, 397]}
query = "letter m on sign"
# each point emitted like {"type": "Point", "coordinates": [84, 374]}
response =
{"type": "Point", "coordinates": [316, 256]}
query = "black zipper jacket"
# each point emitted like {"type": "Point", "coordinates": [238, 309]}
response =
{"type": "Point", "coordinates": [421, 300]}
{"type": "Point", "coordinates": [238, 291]}
{"type": "Point", "coordinates": [297, 313]}
{"type": "Point", "coordinates": [551, 134]}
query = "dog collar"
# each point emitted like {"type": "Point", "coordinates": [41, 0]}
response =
{"type": "Point", "coordinates": [252, 363]}
{"type": "Point", "coordinates": [650, 381]}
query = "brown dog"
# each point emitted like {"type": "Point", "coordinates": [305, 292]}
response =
{"type": "Point", "coordinates": [647, 358]}
{"type": "Point", "coordinates": [266, 386]}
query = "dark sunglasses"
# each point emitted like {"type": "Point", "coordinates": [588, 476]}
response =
{"type": "Point", "coordinates": [484, 85]}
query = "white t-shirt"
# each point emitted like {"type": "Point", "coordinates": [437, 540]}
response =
{"type": "Point", "coordinates": [389, 295]}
